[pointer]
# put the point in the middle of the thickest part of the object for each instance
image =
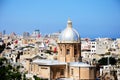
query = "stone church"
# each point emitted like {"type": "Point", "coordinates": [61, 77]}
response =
{"type": "Point", "coordinates": [69, 65]}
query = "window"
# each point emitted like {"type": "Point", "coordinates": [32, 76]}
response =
{"type": "Point", "coordinates": [9, 55]}
{"type": "Point", "coordinates": [50, 48]}
{"type": "Point", "coordinates": [61, 51]}
{"type": "Point", "coordinates": [44, 68]}
{"type": "Point", "coordinates": [71, 71]}
{"type": "Point", "coordinates": [93, 46]}
{"type": "Point", "coordinates": [62, 72]}
{"type": "Point", "coordinates": [93, 43]}
{"type": "Point", "coordinates": [31, 67]}
{"type": "Point", "coordinates": [41, 54]}
{"type": "Point", "coordinates": [75, 52]}
{"type": "Point", "coordinates": [68, 51]}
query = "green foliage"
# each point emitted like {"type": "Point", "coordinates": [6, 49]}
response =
{"type": "Point", "coordinates": [2, 47]}
{"type": "Point", "coordinates": [104, 61]}
{"type": "Point", "coordinates": [2, 61]}
{"type": "Point", "coordinates": [37, 78]}
{"type": "Point", "coordinates": [7, 72]}
{"type": "Point", "coordinates": [24, 77]}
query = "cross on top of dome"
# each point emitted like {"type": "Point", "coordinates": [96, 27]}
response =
{"type": "Point", "coordinates": [69, 23]}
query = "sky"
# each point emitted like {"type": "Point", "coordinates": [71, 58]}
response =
{"type": "Point", "coordinates": [91, 18]}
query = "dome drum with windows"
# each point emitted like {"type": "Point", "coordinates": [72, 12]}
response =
{"type": "Point", "coordinates": [69, 34]}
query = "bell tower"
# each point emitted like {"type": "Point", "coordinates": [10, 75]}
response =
{"type": "Point", "coordinates": [69, 45]}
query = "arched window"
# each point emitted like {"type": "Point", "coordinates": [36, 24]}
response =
{"type": "Point", "coordinates": [75, 51]}
{"type": "Point", "coordinates": [61, 71]}
{"type": "Point", "coordinates": [61, 51]}
{"type": "Point", "coordinates": [68, 51]}
{"type": "Point", "coordinates": [71, 71]}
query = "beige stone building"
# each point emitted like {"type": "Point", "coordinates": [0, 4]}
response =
{"type": "Point", "coordinates": [68, 64]}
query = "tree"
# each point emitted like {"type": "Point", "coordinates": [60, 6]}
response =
{"type": "Point", "coordinates": [8, 72]}
{"type": "Point", "coordinates": [37, 78]}
{"type": "Point", "coordinates": [104, 61]}
{"type": "Point", "coordinates": [2, 47]}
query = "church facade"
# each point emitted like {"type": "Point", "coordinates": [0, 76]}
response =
{"type": "Point", "coordinates": [68, 65]}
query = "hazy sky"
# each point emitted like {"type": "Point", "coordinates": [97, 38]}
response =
{"type": "Point", "coordinates": [91, 18]}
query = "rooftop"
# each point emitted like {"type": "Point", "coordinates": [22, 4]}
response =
{"type": "Point", "coordinates": [48, 62]}
{"type": "Point", "coordinates": [80, 64]}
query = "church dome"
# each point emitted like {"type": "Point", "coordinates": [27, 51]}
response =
{"type": "Point", "coordinates": [69, 34]}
